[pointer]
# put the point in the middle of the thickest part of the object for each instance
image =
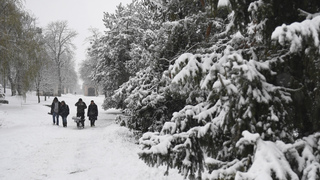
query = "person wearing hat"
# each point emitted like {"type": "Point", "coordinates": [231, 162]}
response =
{"type": "Point", "coordinates": [81, 106]}
{"type": "Point", "coordinates": [92, 113]}
{"type": "Point", "coordinates": [55, 108]}
{"type": "Point", "coordinates": [64, 112]}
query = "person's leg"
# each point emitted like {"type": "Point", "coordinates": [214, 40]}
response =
{"type": "Point", "coordinates": [64, 121]}
{"type": "Point", "coordinates": [53, 117]}
{"type": "Point", "coordinates": [78, 115]}
{"type": "Point", "coordinates": [82, 119]}
{"type": "Point", "coordinates": [57, 119]}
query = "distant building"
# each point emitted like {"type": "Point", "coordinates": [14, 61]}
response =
{"type": "Point", "coordinates": [89, 90]}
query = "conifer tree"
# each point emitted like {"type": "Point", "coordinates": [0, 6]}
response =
{"type": "Point", "coordinates": [243, 93]}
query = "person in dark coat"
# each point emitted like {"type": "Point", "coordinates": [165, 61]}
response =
{"type": "Point", "coordinates": [81, 106]}
{"type": "Point", "coordinates": [55, 108]}
{"type": "Point", "coordinates": [64, 112]}
{"type": "Point", "coordinates": [92, 112]}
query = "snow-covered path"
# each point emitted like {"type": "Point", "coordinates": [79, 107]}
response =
{"type": "Point", "coordinates": [31, 147]}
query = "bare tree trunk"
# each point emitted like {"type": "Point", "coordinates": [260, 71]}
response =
{"type": "Point", "coordinates": [96, 87]}
{"type": "Point", "coordinates": [4, 82]}
{"type": "Point", "coordinates": [19, 85]}
{"type": "Point", "coordinates": [4, 85]}
{"type": "Point", "coordinates": [38, 93]}
{"type": "Point", "coordinates": [13, 89]}
{"type": "Point", "coordinates": [13, 86]}
{"type": "Point", "coordinates": [60, 81]}
{"type": "Point", "coordinates": [24, 95]}
{"type": "Point", "coordinates": [38, 82]}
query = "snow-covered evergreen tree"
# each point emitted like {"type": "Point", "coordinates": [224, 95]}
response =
{"type": "Point", "coordinates": [122, 50]}
{"type": "Point", "coordinates": [225, 89]}
{"type": "Point", "coordinates": [238, 98]}
{"type": "Point", "coordinates": [246, 93]}
{"type": "Point", "coordinates": [155, 50]}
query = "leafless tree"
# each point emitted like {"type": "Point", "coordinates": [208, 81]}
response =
{"type": "Point", "coordinates": [59, 41]}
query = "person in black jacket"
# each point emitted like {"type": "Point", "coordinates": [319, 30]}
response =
{"type": "Point", "coordinates": [64, 112]}
{"type": "Point", "coordinates": [81, 106]}
{"type": "Point", "coordinates": [55, 108]}
{"type": "Point", "coordinates": [92, 112]}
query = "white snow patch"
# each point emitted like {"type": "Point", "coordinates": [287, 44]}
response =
{"type": "Point", "coordinates": [33, 148]}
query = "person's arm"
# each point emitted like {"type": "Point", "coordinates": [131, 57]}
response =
{"type": "Point", "coordinates": [61, 111]}
{"type": "Point", "coordinates": [68, 110]}
{"type": "Point", "coordinates": [88, 111]}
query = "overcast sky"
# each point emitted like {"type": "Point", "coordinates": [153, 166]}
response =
{"type": "Point", "coordinates": [80, 14]}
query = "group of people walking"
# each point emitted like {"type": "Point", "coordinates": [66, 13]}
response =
{"type": "Point", "coordinates": [62, 109]}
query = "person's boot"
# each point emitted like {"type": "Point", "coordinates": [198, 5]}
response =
{"type": "Point", "coordinates": [82, 123]}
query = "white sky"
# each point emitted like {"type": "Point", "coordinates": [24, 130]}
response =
{"type": "Point", "coordinates": [80, 14]}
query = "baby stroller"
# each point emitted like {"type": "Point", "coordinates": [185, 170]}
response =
{"type": "Point", "coordinates": [79, 121]}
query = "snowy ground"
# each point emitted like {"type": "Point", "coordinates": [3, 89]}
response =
{"type": "Point", "coordinates": [31, 147]}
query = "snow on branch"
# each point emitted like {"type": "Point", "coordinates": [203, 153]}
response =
{"type": "Point", "coordinates": [308, 15]}
{"type": "Point", "coordinates": [226, 170]}
{"type": "Point", "coordinates": [189, 65]}
{"type": "Point", "coordinates": [303, 155]}
{"type": "Point", "coordinates": [268, 161]}
{"type": "Point", "coordinates": [298, 34]}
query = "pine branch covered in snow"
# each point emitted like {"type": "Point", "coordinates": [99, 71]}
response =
{"type": "Point", "coordinates": [269, 162]}
{"type": "Point", "coordinates": [299, 35]}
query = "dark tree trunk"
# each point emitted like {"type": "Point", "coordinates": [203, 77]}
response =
{"type": "Point", "coordinates": [38, 93]}
{"type": "Point", "coordinates": [13, 86]}
{"type": "Point", "coordinates": [19, 86]}
{"type": "Point", "coordinates": [60, 81]}
{"type": "Point", "coordinates": [4, 82]}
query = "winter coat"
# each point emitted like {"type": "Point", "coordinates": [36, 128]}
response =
{"type": "Point", "coordinates": [64, 110]}
{"type": "Point", "coordinates": [53, 105]}
{"type": "Point", "coordinates": [92, 112]}
{"type": "Point", "coordinates": [81, 106]}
